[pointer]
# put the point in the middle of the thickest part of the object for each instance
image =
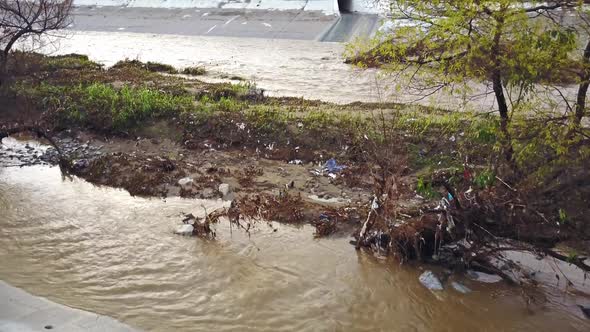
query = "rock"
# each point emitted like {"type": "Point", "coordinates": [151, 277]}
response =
{"type": "Point", "coordinates": [186, 183]}
{"type": "Point", "coordinates": [80, 164]}
{"type": "Point", "coordinates": [460, 288]}
{"type": "Point", "coordinates": [483, 277]}
{"type": "Point", "coordinates": [185, 229]}
{"type": "Point", "coordinates": [224, 189]}
{"type": "Point", "coordinates": [430, 281]}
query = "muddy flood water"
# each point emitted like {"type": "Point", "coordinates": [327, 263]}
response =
{"type": "Point", "coordinates": [101, 250]}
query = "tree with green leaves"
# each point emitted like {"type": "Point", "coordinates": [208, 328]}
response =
{"type": "Point", "coordinates": [510, 45]}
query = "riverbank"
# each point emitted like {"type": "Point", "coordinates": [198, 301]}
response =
{"type": "Point", "coordinates": [393, 175]}
{"type": "Point", "coordinates": [23, 312]}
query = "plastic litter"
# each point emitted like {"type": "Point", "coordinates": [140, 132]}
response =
{"type": "Point", "coordinates": [483, 277]}
{"type": "Point", "coordinates": [460, 288]}
{"type": "Point", "coordinates": [332, 166]}
{"type": "Point", "coordinates": [430, 281]}
{"type": "Point", "coordinates": [185, 229]}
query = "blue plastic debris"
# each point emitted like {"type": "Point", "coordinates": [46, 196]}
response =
{"type": "Point", "coordinates": [332, 166]}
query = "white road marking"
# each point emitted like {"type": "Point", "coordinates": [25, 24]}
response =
{"type": "Point", "coordinates": [213, 27]}
{"type": "Point", "coordinates": [231, 19]}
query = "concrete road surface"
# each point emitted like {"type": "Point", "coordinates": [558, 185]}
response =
{"type": "Point", "coordinates": [256, 23]}
{"type": "Point", "coordinates": [23, 312]}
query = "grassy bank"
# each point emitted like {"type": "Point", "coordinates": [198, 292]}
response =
{"type": "Point", "coordinates": [404, 150]}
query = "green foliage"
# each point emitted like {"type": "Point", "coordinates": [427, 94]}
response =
{"type": "Point", "coordinates": [228, 104]}
{"type": "Point", "coordinates": [69, 61]}
{"type": "Point", "coordinates": [450, 44]}
{"type": "Point", "coordinates": [268, 118]}
{"type": "Point", "coordinates": [425, 189]}
{"type": "Point", "coordinates": [572, 257]}
{"type": "Point", "coordinates": [455, 41]}
{"type": "Point", "coordinates": [484, 179]}
{"type": "Point", "coordinates": [563, 218]}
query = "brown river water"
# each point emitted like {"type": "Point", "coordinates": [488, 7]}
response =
{"type": "Point", "coordinates": [101, 250]}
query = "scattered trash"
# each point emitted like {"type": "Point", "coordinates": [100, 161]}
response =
{"type": "Point", "coordinates": [430, 281]}
{"type": "Point", "coordinates": [460, 288]}
{"type": "Point", "coordinates": [332, 166]}
{"type": "Point", "coordinates": [327, 199]}
{"type": "Point", "coordinates": [200, 227]}
{"type": "Point", "coordinates": [374, 204]}
{"type": "Point", "coordinates": [483, 277]}
{"type": "Point", "coordinates": [296, 162]}
{"type": "Point", "coordinates": [185, 229]}
{"type": "Point", "coordinates": [380, 241]}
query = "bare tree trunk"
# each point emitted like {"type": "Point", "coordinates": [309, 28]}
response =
{"type": "Point", "coordinates": [504, 118]}
{"type": "Point", "coordinates": [500, 97]}
{"type": "Point", "coordinates": [583, 88]}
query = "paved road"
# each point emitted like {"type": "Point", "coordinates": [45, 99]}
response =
{"type": "Point", "coordinates": [259, 23]}
{"type": "Point", "coordinates": [23, 312]}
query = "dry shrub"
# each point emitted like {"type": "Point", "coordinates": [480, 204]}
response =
{"type": "Point", "coordinates": [284, 208]}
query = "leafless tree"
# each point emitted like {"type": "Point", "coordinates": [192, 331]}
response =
{"type": "Point", "coordinates": [20, 19]}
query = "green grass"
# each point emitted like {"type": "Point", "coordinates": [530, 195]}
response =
{"type": "Point", "coordinates": [68, 61]}
{"type": "Point", "coordinates": [105, 107]}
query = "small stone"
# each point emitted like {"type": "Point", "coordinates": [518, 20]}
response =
{"type": "Point", "coordinates": [186, 183]}
{"type": "Point", "coordinates": [224, 189]}
{"type": "Point", "coordinates": [80, 164]}
{"type": "Point", "coordinates": [430, 281]}
{"type": "Point", "coordinates": [185, 229]}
